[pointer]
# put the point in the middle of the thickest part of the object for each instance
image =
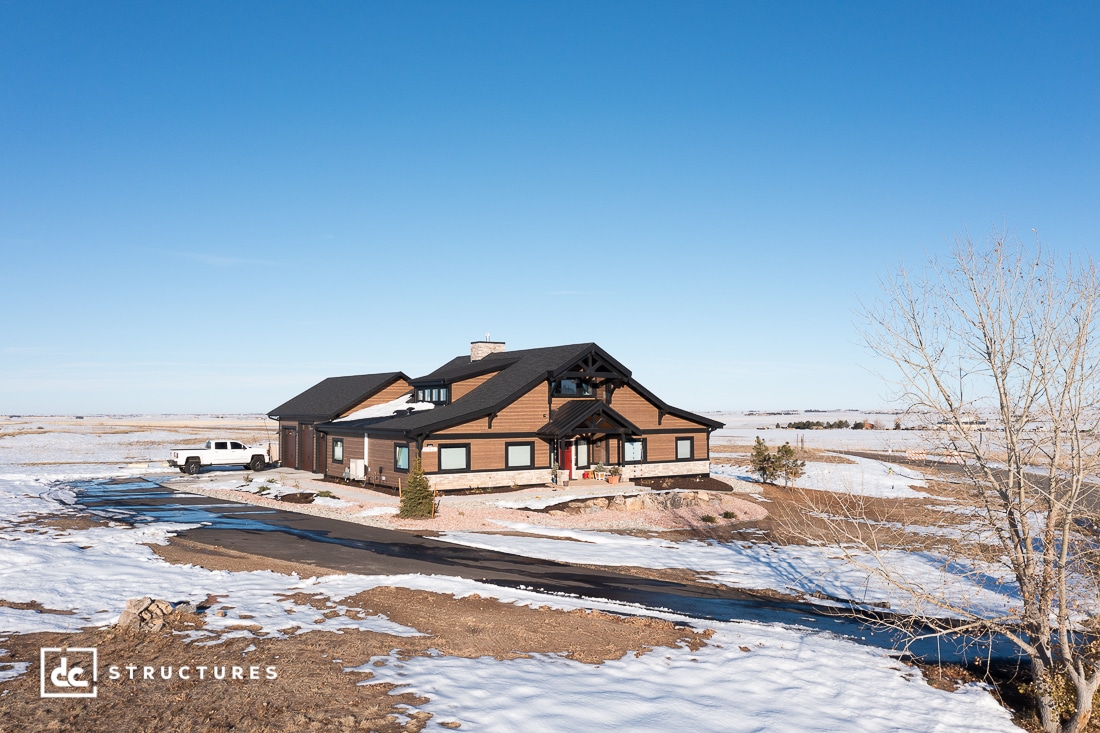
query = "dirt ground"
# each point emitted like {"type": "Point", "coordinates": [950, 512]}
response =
{"type": "Point", "coordinates": [312, 692]}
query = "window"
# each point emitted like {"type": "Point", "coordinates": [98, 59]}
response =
{"type": "Point", "coordinates": [633, 451]}
{"type": "Point", "coordinates": [236, 446]}
{"type": "Point", "coordinates": [519, 455]}
{"type": "Point", "coordinates": [573, 388]}
{"type": "Point", "coordinates": [401, 456]}
{"type": "Point", "coordinates": [221, 445]}
{"type": "Point", "coordinates": [582, 453]}
{"type": "Point", "coordinates": [436, 395]}
{"type": "Point", "coordinates": [685, 449]}
{"type": "Point", "coordinates": [337, 450]}
{"type": "Point", "coordinates": [454, 457]}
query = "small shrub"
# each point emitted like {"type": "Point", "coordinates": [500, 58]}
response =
{"type": "Point", "coordinates": [763, 462]}
{"type": "Point", "coordinates": [417, 501]}
{"type": "Point", "coordinates": [709, 518]}
{"type": "Point", "coordinates": [728, 515]}
{"type": "Point", "coordinates": [326, 494]}
{"type": "Point", "coordinates": [248, 478]}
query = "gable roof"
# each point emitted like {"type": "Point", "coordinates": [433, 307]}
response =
{"type": "Point", "coordinates": [517, 373]}
{"type": "Point", "coordinates": [582, 417]}
{"type": "Point", "coordinates": [327, 399]}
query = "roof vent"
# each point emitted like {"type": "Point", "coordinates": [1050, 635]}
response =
{"type": "Point", "coordinates": [481, 349]}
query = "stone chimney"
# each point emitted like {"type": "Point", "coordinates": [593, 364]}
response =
{"type": "Point", "coordinates": [481, 349]}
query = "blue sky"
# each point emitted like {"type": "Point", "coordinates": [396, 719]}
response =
{"type": "Point", "coordinates": [207, 208]}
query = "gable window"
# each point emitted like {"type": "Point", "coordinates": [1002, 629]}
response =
{"type": "Point", "coordinates": [435, 395]}
{"type": "Point", "coordinates": [634, 451]}
{"type": "Point", "coordinates": [685, 449]}
{"type": "Point", "coordinates": [337, 450]}
{"type": "Point", "coordinates": [519, 455]}
{"type": "Point", "coordinates": [573, 388]}
{"type": "Point", "coordinates": [401, 456]}
{"type": "Point", "coordinates": [454, 457]}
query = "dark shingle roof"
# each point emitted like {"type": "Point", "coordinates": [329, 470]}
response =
{"type": "Point", "coordinates": [327, 399]}
{"type": "Point", "coordinates": [520, 372]}
{"type": "Point", "coordinates": [577, 413]}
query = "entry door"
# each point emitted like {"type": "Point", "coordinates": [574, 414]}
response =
{"type": "Point", "coordinates": [565, 458]}
{"type": "Point", "coordinates": [307, 449]}
{"type": "Point", "coordinates": [290, 448]}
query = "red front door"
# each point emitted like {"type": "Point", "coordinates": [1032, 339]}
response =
{"type": "Point", "coordinates": [565, 459]}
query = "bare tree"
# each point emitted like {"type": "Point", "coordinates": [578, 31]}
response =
{"type": "Point", "coordinates": [998, 344]}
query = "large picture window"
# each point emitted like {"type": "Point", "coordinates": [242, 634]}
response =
{"type": "Point", "coordinates": [633, 451]}
{"type": "Point", "coordinates": [337, 450]}
{"type": "Point", "coordinates": [685, 449]}
{"type": "Point", "coordinates": [401, 456]}
{"type": "Point", "coordinates": [519, 455]}
{"type": "Point", "coordinates": [454, 457]}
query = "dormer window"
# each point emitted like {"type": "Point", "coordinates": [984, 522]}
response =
{"type": "Point", "coordinates": [573, 388]}
{"type": "Point", "coordinates": [435, 395]}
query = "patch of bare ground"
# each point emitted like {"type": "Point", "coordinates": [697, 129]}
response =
{"type": "Point", "coordinates": [312, 691]}
{"type": "Point", "coordinates": [182, 551]}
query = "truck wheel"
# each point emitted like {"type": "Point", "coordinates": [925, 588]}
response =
{"type": "Point", "coordinates": [193, 467]}
{"type": "Point", "coordinates": [258, 463]}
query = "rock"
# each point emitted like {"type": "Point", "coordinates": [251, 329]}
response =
{"type": "Point", "coordinates": [185, 608]}
{"type": "Point", "coordinates": [634, 503]}
{"type": "Point", "coordinates": [146, 614]}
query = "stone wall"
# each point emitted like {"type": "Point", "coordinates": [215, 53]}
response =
{"type": "Point", "coordinates": [677, 468]}
{"type": "Point", "coordinates": [489, 479]}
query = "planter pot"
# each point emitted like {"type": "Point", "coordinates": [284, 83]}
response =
{"type": "Point", "coordinates": [600, 475]}
{"type": "Point", "coordinates": [612, 479]}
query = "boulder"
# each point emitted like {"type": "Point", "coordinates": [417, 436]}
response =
{"type": "Point", "coordinates": [146, 614]}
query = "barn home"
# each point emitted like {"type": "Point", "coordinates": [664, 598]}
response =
{"type": "Point", "coordinates": [497, 418]}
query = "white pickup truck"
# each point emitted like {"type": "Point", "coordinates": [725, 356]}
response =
{"type": "Point", "coordinates": [219, 453]}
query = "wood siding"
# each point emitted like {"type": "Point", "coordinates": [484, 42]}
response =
{"type": "Point", "coordinates": [463, 388]}
{"type": "Point", "coordinates": [353, 448]}
{"type": "Point", "coordinates": [389, 394]}
{"type": "Point", "coordinates": [486, 454]}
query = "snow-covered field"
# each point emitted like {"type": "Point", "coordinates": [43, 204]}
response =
{"type": "Point", "coordinates": [789, 679]}
{"type": "Point", "coordinates": [863, 477]}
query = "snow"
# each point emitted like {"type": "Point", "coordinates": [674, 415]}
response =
{"type": "Point", "coordinates": [787, 682]}
{"type": "Point", "coordinates": [401, 404]}
{"type": "Point", "coordinates": [791, 679]}
{"type": "Point", "coordinates": [795, 569]}
{"type": "Point", "coordinates": [864, 477]}
{"type": "Point", "coordinates": [91, 573]}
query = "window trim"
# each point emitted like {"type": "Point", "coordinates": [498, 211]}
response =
{"type": "Point", "coordinates": [337, 443]}
{"type": "Point", "coordinates": [515, 444]}
{"type": "Point", "coordinates": [691, 447]}
{"type": "Point", "coordinates": [408, 458]}
{"type": "Point", "coordinates": [442, 396]}
{"type": "Point", "coordinates": [439, 457]}
{"type": "Point", "coordinates": [645, 451]}
{"type": "Point", "coordinates": [580, 382]}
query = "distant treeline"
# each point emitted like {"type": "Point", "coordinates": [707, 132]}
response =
{"type": "Point", "coordinates": [837, 425]}
{"type": "Point", "coordinates": [812, 424]}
